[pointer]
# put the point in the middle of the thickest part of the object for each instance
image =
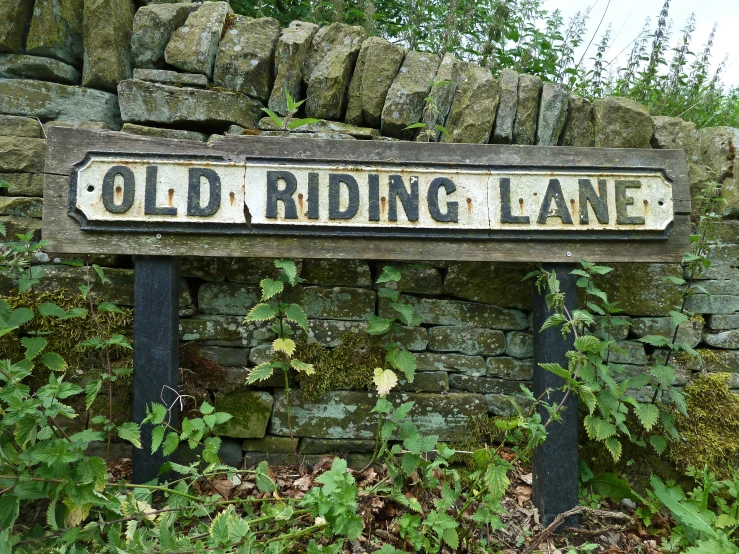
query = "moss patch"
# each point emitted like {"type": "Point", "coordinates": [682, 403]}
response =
{"type": "Point", "coordinates": [350, 365]}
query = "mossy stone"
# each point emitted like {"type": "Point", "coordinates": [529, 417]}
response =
{"type": "Point", "coordinates": [506, 115]}
{"type": "Point", "coordinates": [346, 414]}
{"type": "Point", "coordinates": [250, 411]}
{"type": "Point", "coordinates": [621, 123]}
{"type": "Point", "coordinates": [341, 273]}
{"type": "Point", "coordinates": [290, 54]}
{"type": "Point", "coordinates": [328, 332]}
{"type": "Point", "coordinates": [723, 321]}
{"type": "Point", "coordinates": [467, 340]}
{"type": "Point", "coordinates": [476, 99]}
{"type": "Point", "coordinates": [251, 271]}
{"type": "Point", "coordinates": [578, 129]}
{"type": "Point", "coordinates": [450, 362]}
{"type": "Point", "coordinates": [20, 66]}
{"type": "Point", "coordinates": [152, 28]}
{"type": "Point", "coordinates": [486, 385]}
{"type": "Point", "coordinates": [225, 329]}
{"type": "Point", "coordinates": [527, 109]}
{"type": "Point", "coordinates": [178, 134]}
{"type": "Point", "coordinates": [330, 446]}
{"type": "Point", "coordinates": [425, 381]}
{"type": "Point", "coordinates": [21, 206]}
{"type": "Point", "coordinates": [640, 289]}
{"type": "Point", "coordinates": [501, 284]}
{"type": "Point", "coordinates": [268, 444]}
{"type": "Point", "coordinates": [552, 113]}
{"type": "Point", "coordinates": [56, 30]}
{"type": "Point", "coordinates": [17, 126]}
{"type": "Point", "coordinates": [21, 225]}
{"type": "Point", "coordinates": [26, 155]}
{"type": "Point", "coordinates": [14, 18]}
{"type": "Point", "coordinates": [689, 332]}
{"type": "Point", "coordinates": [106, 34]}
{"type": "Point", "coordinates": [24, 184]}
{"type": "Point", "coordinates": [633, 353]}
{"type": "Point", "coordinates": [503, 367]}
{"type": "Point", "coordinates": [519, 344]}
{"type": "Point", "coordinates": [725, 339]}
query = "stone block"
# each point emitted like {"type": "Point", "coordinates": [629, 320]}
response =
{"type": "Point", "coordinates": [425, 381]}
{"type": "Point", "coordinates": [207, 269]}
{"type": "Point", "coordinates": [14, 18]}
{"type": "Point", "coordinates": [152, 29]}
{"type": "Point", "coordinates": [346, 414]}
{"type": "Point", "coordinates": [20, 206]}
{"type": "Point", "coordinates": [442, 91]}
{"type": "Point", "coordinates": [337, 273]}
{"type": "Point", "coordinates": [251, 271]}
{"type": "Point", "coordinates": [717, 151]}
{"type": "Point", "coordinates": [23, 155]}
{"type": "Point", "coordinates": [226, 356]}
{"type": "Point", "coordinates": [485, 385]}
{"type": "Point", "coordinates": [640, 289]}
{"type": "Point", "coordinates": [246, 56]}
{"type": "Point", "coordinates": [20, 66]}
{"type": "Point", "coordinates": [433, 362]}
{"type": "Point", "coordinates": [160, 132]}
{"type": "Point", "coordinates": [17, 126]}
{"type": "Point", "coordinates": [713, 360]}
{"type": "Point", "coordinates": [24, 184]}
{"type": "Point", "coordinates": [107, 29]}
{"type": "Point", "coordinates": [329, 332]}
{"type": "Point", "coordinates": [193, 47]}
{"type": "Point", "coordinates": [718, 304]}
{"type": "Point", "coordinates": [613, 332]}
{"type": "Point", "coordinates": [677, 134]}
{"type": "Point", "coordinates": [511, 369]}
{"type": "Point", "coordinates": [500, 404]}
{"type": "Point", "coordinates": [56, 30]}
{"type": "Point", "coordinates": [621, 123]}
{"type": "Point", "coordinates": [579, 129]}
{"type": "Point", "coordinates": [725, 339]}
{"type": "Point", "coordinates": [324, 126]}
{"type": "Point", "coordinates": [725, 230]}
{"type": "Point", "coordinates": [290, 54]}
{"type": "Point", "coordinates": [54, 101]}
{"type": "Point", "coordinates": [328, 446]}
{"type": "Point", "coordinates": [268, 444]}
{"type": "Point", "coordinates": [416, 278]}
{"type": "Point", "coordinates": [467, 340]}
{"type": "Point", "coordinates": [377, 65]}
{"type": "Point", "coordinates": [406, 98]}
{"type": "Point", "coordinates": [491, 283]}
{"type": "Point", "coordinates": [519, 344]}
{"type": "Point", "coordinates": [144, 102]}
{"type": "Point", "coordinates": [457, 313]}
{"type": "Point", "coordinates": [506, 116]}
{"type": "Point", "coordinates": [475, 103]}
{"type": "Point", "coordinates": [552, 113]}
{"type": "Point", "coordinates": [527, 109]}
{"type": "Point", "coordinates": [328, 69]}
{"type": "Point", "coordinates": [632, 353]}
{"type": "Point", "coordinates": [250, 411]}
{"type": "Point", "coordinates": [723, 321]}
{"type": "Point", "coordinates": [165, 77]}
{"type": "Point", "coordinates": [92, 125]}
{"type": "Point", "coordinates": [260, 354]}
{"type": "Point", "coordinates": [20, 225]}
{"type": "Point", "coordinates": [224, 331]}
{"type": "Point", "coordinates": [689, 333]}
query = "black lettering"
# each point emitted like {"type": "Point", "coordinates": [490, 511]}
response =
{"type": "Point", "coordinates": [334, 196]}
{"type": "Point", "coordinates": [313, 199]}
{"type": "Point", "coordinates": [150, 195]}
{"type": "Point", "coordinates": [397, 191]}
{"type": "Point", "coordinates": [506, 215]}
{"type": "Point", "coordinates": [193, 192]}
{"type": "Point", "coordinates": [452, 208]}
{"type": "Point", "coordinates": [554, 192]}
{"type": "Point", "coordinates": [374, 196]}
{"type": "Point", "coordinates": [599, 202]}
{"type": "Point", "coordinates": [274, 194]}
{"type": "Point", "coordinates": [623, 202]}
{"type": "Point", "coordinates": [129, 187]}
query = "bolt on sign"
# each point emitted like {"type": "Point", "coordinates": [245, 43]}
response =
{"type": "Point", "coordinates": [252, 196]}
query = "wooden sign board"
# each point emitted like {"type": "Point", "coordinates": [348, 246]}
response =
{"type": "Point", "coordinates": [253, 196]}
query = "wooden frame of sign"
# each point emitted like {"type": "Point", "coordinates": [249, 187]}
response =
{"type": "Point", "coordinates": [157, 199]}
{"type": "Point", "coordinates": [319, 198]}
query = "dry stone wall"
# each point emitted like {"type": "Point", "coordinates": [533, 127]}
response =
{"type": "Point", "coordinates": [194, 71]}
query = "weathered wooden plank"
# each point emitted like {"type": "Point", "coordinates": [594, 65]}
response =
{"type": "Point", "coordinates": [67, 236]}
{"type": "Point", "coordinates": [67, 147]}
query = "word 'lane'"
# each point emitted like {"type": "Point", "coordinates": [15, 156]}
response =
{"type": "Point", "coordinates": [266, 196]}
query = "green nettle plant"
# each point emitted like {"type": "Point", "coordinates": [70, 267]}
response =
{"type": "Point", "coordinates": [283, 346]}
{"type": "Point", "coordinates": [431, 132]}
{"type": "Point", "coordinates": [289, 122]}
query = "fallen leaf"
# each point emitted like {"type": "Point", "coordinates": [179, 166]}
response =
{"type": "Point", "coordinates": [523, 494]}
{"type": "Point", "coordinates": [304, 483]}
{"type": "Point", "coordinates": [528, 478]}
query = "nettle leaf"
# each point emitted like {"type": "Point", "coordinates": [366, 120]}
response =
{"type": "Point", "coordinates": [389, 274]}
{"type": "Point", "coordinates": [274, 117]}
{"type": "Point", "coordinates": [302, 367]}
{"type": "Point", "coordinates": [130, 432]}
{"type": "Point", "coordinates": [655, 340]}
{"type": "Point", "coordinates": [91, 391]}
{"type": "Point", "coordinates": [404, 361]}
{"type": "Point", "coordinates": [19, 316]}
{"type": "Point", "coordinates": [290, 269]}
{"type": "Point", "coordinates": [216, 418]}
{"type": "Point", "coordinates": [678, 318]}
{"type": "Point", "coordinates": [157, 436]}
{"type": "Point", "coordinates": [658, 442]}
{"type": "Point", "coordinates": [587, 343]}
{"type": "Point", "coordinates": [587, 396]}
{"type": "Point", "coordinates": [648, 415]}
{"type": "Point", "coordinates": [665, 374]}
{"type": "Point", "coordinates": [284, 345]}
{"type": "Point", "coordinates": [206, 408]}
{"type": "Point", "coordinates": [390, 294]}
{"type": "Point", "coordinates": [33, 346]}
{"type": "Point", "coordinates": [170, 443]}
{"type": "Point", "coordinates": [557, 369]}
{"type": "Point", "coordinates": [271, 288]}
{"type": "Point", "coordinates": [406, 313]}
{"type": "Point", "coordinates": [261, 312]}
{"type": "Point", "coordinates": [54, 361]}
{"type": "Point", "coordinates": [379, 325]}
{"type": "Point", "coordinates": [49, 309]}
{"type": "Point", "coordinates": [109, 307]}
{"type": "Point", "coordinates": [295, 313]}
{"type": "Point", "coordinates": [614, 447]}
{"type": "Point", "coordinates": [385, 380]}
{"type": "Point", "coordinates": [260, 373]}
{"type": "Point", "coordinates": [9, 509]}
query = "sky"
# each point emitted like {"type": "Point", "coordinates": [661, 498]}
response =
{"type": "Point", "coordinates": [627, 19]}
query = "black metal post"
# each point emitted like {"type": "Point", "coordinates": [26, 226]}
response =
{"type": "Point", "coordinates": [155, 351]}
{"type": "Point", "coordinates": [555, 461]}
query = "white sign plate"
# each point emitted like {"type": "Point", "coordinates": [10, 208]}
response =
{"type": "Point", "coordinates": [202, 195]}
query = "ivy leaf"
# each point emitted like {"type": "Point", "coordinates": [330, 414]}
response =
{"type": "Point", "coordinates": [385, 380]}
{"type": "Point", "coordinates": [648, 414]}
{"type": "Point", "coordinates": [378, 325]}
{"type": "Point", "coordinates": [157, 436]}
{"type": "Point", "coordinates": [260, 373]}
{"type": "Point", "coordinates": [54, 361]}
{"type": "Point", "coordinates": [404, 361]}
{"type": "Point", "coordinates": [302, 367]}
{"type": "Point", "coordinates": [295, 313]}
{"type": "Point", "coordinates": [261, 312]}
{"type": "Point", "coordinates": [270, 288]}
{"type": "Point", "coordinates": [130, 432]}
{"type": "Point", "coordinates": [284, 345]}
{"type": "Point", "coordinates": [33, 346]}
